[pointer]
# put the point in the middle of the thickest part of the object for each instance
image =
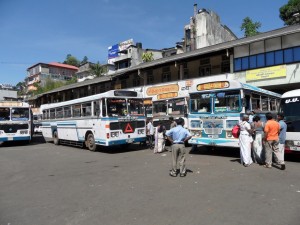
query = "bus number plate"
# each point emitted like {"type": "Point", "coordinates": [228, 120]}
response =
{"type": "Point", "coordinates": [213, 136]}
{"type": "Point", "coordinates": [295, 148]}
{"type": "Point", "coordinates": [10, 138]}
{"type": "Point", "coordinates": [129, 140]}
{"type": "Point", "coordinates": [297, 143]}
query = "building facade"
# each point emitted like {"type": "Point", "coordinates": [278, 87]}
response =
{"type": "Point", "coordinates": [40, 72]}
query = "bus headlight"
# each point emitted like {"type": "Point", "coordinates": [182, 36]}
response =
{"type": "Point", "coordinates": [229, 134]}
{"type": "Point", "coordinates": [24, 132]}
{"type": "Point", "coordinates": [196, 133]}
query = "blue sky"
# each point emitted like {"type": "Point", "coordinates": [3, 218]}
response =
{"type": "Point", "coordinates": [34, 31]}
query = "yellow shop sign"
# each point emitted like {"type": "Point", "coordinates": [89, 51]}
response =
{"type": "Point", "coordinates": [266, 73]}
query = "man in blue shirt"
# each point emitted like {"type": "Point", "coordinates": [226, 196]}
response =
{"type": "Point", "coordinates": [282, 137]}
{"type": "Point", "coordinates": [178, 136]}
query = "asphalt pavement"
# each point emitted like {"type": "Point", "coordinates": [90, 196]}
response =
{"type": "Point", "coordinates": [43, 184]}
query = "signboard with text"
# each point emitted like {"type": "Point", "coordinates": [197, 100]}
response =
{"type": "Point", "coordinates": [266, 73]}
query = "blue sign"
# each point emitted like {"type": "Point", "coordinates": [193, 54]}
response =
{"type": "Point", "coordinates": [113, 51]}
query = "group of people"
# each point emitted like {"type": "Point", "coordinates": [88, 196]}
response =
{"type": "Point", "coordinates": [260, 141]}
{"type": "Point", "coordinates": [177, 136]}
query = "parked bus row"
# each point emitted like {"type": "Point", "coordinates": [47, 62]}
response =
{"type": "Point", "coordinates": [210, 108]}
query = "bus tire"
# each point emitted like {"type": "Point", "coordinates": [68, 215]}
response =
{"type": "Point", "coordinates": [55, 138]}
{"type": "Point", "coordinates": [90, 143]}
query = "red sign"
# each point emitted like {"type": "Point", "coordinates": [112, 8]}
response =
{"type": "Point", "coordinates": [128, 128]}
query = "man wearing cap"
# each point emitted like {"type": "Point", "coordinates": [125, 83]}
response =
{"type": "Point", "coordinates": [178, 136]}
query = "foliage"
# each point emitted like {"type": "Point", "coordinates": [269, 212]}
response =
{"type": "Point", "coordinates": [71, 60]}
{"type": "Point", "coordinates": [97, 69]}
{"type": "Point", "coordinates": [147, 57]}
{"type": "Point", "coordinates": [84, 60]}
{"type": "Point", "coordinates": [250, 28]}
{"type": "Point", "coordinates": [21, 86]}
{"type": "Point", "coordinates": [49, 85]}
{"type": "Point", "coordinates": [288, 12]}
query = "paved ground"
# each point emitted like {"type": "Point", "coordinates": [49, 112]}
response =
{"type": "Point", "coordinates": [44, 184]}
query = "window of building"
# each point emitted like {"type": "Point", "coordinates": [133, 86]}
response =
{"type": "Point", "coordinates": [238, 64]}
{"type": "Point", "coordinates": [150, 78]}
{"type": "Point", "coordinates": [296, 54]}
{"type": "Point", "coordinates": [136, 81]}
{"type": "Point", "coordinates": [245, 63]}
{"type": "Point", "coordinates": [288, 55]}
{"type": "Point", "coordinates": [166, 77]}
{"type": "Point", "coordinates": [204, 71]}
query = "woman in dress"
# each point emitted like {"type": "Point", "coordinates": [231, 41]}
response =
{"type": "Point", "coordinates": [257, 146]}
{"type": "Point", "coordinates": [245, 140]}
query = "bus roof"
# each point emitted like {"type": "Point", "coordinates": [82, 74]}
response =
{"type": "Point", "coordinates": [120, 93]}
{"type": "Point", "coordinates": [13, 104]}
{"type": "Point", "coordinates": [293, 93]}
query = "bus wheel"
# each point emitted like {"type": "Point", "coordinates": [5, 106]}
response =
{"type": "Point", "coordinates": [55, 138]}
{"type": "Point", "coordinates": [90, 143]}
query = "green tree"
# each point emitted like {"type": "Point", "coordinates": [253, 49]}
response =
{"type": "Point", "coordinates": [249, 27]}
{"type": "Point", "coordinates": [72, 60]}
{"type": "Point", "coordinates": [48, 86]}
{"type": "Point", "coordinates": [290, 12]}
{"type": "Point", "coordinates": [97, 69]}
{"type": "Point", "coordinates": [147, 57]}
{"type": "Point", "coordinates": [84, 60]}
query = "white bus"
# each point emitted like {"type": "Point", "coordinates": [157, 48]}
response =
{"type": "Point", "coordinates": [290, 107]}
{"type": "Point", "coordinates": [112, 118]}
{"type": "Point", "coordinates": [217, 105]}
{"type": "Point", "coordinates": [15, 121]}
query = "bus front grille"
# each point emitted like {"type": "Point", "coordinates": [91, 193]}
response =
{"type": "Point", "coordinates": [213, 130]}
{"type": "Point", "coordinates": [13, 128]}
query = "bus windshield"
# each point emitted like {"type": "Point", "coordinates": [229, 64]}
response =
{"type": "Point", "coordinates": [290, 107]}
{"type": "Point", "coordinates": [4, 114]}
{"type": "Point", "coordinates": [159, 108]}
{"type": "Point", "coordinates": [19, 114]}
{"type": "Point", "coordinates": [200, 103]}
{"type": "Point", "coordinates": [227, 101]}
{"type": "Point", "coordinates": [176, 107]}
{"type": "Point", "coordinates": [118, 107]}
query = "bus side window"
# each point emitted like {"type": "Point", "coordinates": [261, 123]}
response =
{"type": "Point", "coordinates": [247, 102]}
{"type": "Point", "coordinates": [104, 113]}
{"type": "Point", "coordinates": [97, 108]}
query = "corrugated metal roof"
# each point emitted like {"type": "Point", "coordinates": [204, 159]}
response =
{"type": "Point", "coordinates": [186, 55]}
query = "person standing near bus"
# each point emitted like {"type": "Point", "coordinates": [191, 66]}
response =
{"type": "Point", "coordinates": [150, 133]}
{"type": "Point", "coordinates": [272, 129]}
{"type": "Point", "coordinates": [178, 136]}
{"type": "Point", "coordinates": [173, 123]}
{"type": "Point", "coordinates": [245, 140]}
{"type": "Point", "coordinates": [282, 137]}
{"type": "Point", "coordinates": [258, 133]}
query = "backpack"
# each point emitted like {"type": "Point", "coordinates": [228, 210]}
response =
{"type": "Point", "coordinates": [236, 131]}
